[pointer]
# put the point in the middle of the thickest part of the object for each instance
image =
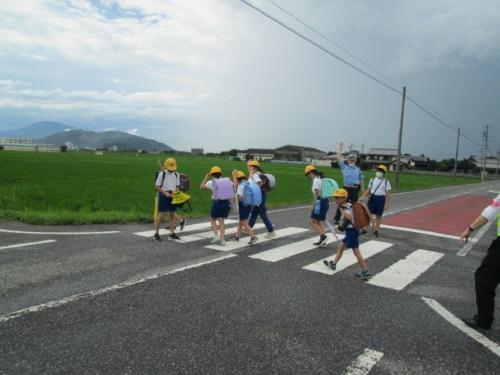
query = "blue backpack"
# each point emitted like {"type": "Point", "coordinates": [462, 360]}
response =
{"type": "Point", "coordinates": [252, 195]}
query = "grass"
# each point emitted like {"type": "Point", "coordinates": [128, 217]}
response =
{"type": "Point", "coordinates": [83, 188]}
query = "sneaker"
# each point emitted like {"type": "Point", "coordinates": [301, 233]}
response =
{"type": "Point", "coordinates": [215, 239]}
{"type": "Point", "coordinates": [375, 233]}
{"type": "Point", "coordinates": [322, 241]}
{"type": "Point", "coordinates": [253, 240]}
{"type": "Point", "coordinates": [222, 243]}
{"type": "Point", "coordinates": [270, 235]}
{"type": "Point", "coordinates": [363, 231]}
{"type": "Point", "coordinates": [363, 274]}
{"type": "Point", "coordinates": [174, 236]}
{"type": "Point", "coordinates": [330, 264]}
{"type": "Point", "coordinates": [182, 223]}
{"type": "Point", "coordinates": [475, 323]}
{"type": "Point", "coordinates": [157, 237]}
{"type": "Point", "coordinates": [234, 238]}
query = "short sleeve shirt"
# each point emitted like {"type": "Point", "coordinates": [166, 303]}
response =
{"type": "Point", "coordinates": [316, 185]}
{"type": "Point", "coordinates": [210, 186]}
{"type": "Point", "coordinates": [240, 190]}
{"type": "Point", "coordinates": [255, 178]}
{"type": "Point", "coordinates": [170, 182]}
{"type": "Point", "coordinates": [352, 174]}
{"type": "Point", "coordinates": [379, 186]}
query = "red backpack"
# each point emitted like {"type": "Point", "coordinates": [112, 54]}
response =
{"type": "Point", "coordinates": [361, 215]}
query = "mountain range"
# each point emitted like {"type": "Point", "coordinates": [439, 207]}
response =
{"type": "Point", "coordinates": [58, 134]}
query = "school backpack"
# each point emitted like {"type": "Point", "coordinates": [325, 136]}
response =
{"type": "Point", "coordinates": [252, 196]}
{"type": "Point", "coordinates": [268, 182]}
{"type": "Point", "coordinates": [223, 188]}
{"type": "Point", "coordinates": [328, 187]}
{"type": "Point", "coordinates": [361, 215]}
{"type": "Point", "coordinates": [184, 184]}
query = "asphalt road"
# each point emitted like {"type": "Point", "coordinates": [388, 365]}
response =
{"type": "Point", "coordinates": [122, 303]}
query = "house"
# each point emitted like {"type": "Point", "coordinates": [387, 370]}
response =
{"type": "Point", "coordinates": [196, 151]}
{"type": "Point", "coordinates": [298, 153]}
{"type": "Point", "coordinates": [19, 144]}
{"type": "Point", "coordinates": [260, 154]}
{"type": "Point", "coordinates": [385, 156]}
{"type": "Point", "coordinates": [417, 162]}
{"type": "Point", "coordinates": [491, 166]}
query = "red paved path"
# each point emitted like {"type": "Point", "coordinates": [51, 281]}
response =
{"type": "Point", "coordinates": [450, 216]}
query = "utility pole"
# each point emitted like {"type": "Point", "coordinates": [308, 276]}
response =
{"type": "Point", "coordinates": [398, 156]}
{"type": "Point", "coordinates": [485, 148]}
{"type": "Point", "coordinates": [456, 155]}
{"type": "Point", "coordinates": [498, 162]}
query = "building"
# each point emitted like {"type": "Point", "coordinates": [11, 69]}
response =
{"type": "Point", "coordinates": [298, 153]}
{"type": "Point", "coordinates": [18, 144]}
{"type": "Point", "coordinates": [197, 151]}
{"type": "Point", "coordinates": [385, 156]}
{"type": "Point", "coordinates": [492, 164]}
{"type": "Point", "coordinates": [260, 154]}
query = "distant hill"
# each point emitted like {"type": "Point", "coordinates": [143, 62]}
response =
{"type": "Point", "coordinates": [107, 139]}
{"type": "Point", "coordinates": [37, 130]}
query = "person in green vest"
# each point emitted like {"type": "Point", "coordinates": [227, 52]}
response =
{"type": "Point", "coordinates": [487, 276]}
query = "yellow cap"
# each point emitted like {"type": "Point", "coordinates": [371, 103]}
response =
{"type": "Point", "coordinates": [215, 170]}
{"type": "Point", "coordinates": [340, 193]}
{"type": "Point", "coordinates": [170, 164]}
{"type": "Point", "coordinates": [309, 169]}
{"type": "Point", "coordinates": [239, 174]}
{"type": "Point", "coordinates": [382, 167]}
{"type": "Point", "coordinates": [253, 163]}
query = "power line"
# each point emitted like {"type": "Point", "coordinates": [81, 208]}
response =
{"type": "Point", "coordinates": [431, 113]}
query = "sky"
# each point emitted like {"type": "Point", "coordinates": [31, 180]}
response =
{"type": "Point", "coordinates": [217, 74]}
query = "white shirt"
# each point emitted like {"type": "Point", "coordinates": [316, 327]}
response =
{"type": "Point", "coordinates": [375, 189]}
{"type": "Point", "coordinates": [491, 212]}
{"type": "Point", "coordinates": [171, 181]}
{"type": "Point", "coordinates": [316, 185]}
{"type": "Point", "coordinates": [255, 178]}
{"type": "Point", "coordinates": [210, 186]}
{"type": "Point", "coordinates": [240, 190]}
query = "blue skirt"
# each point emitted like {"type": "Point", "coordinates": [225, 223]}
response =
{"type": "Point", "coordinates": [220, 209]}
{"type": "Point", "coordinates": [376, 205]}
{"type": "Point", "coordinates": [351, 239]}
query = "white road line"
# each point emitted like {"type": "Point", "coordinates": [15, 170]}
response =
{"type": "Point", "coordinates": [419, 231]}
{"type": "Point", "coordinates": [407, 270]}
{"type": "Point", "coordinates": [25, 244]}
{"type": "Point", "coordinates": [289, 250]}
{"type": "Point", "coordinates": [368, 249]}
{"type": "Point", "coordinates": [59, 233]}
{"type": "Point", "coordinates": [209, 234]}
{"type": "Point", "coordinates": [76, 297]}
{"type": "Point", "coordinates": [472, 333]}
{"type": "Point", "coordinates": [187, 228]}
{"type": "Point", "coordinates": [364, 363]}
{"type": "Point", "coordinates": [280, 233]}
{"type": "Point", "coordinates": [469, 245]}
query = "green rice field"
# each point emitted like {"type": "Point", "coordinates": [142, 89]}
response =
{"type": "Point", "coordinates": [83, 188]}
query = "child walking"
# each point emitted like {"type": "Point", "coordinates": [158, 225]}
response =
{"type": "Point", "coordinates": [167, 183]}
{"type": "Point", "coordinates": [351, 239]}
{"type": "Point", "coordinates": [239, 181]}
{"type": "Point", "coordinates": [379, 201]}
{"type": "Point", "coordinates": [222, 192]}
{"type": "Point", "coordinates": [320, 205]}
{"type": "Point", "coordinates": [254, 172]}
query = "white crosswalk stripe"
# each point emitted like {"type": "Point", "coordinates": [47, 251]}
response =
{"type": "Point", "coordinates": [188, 228]}
{"type": "Point", "coordinates": [282, 252]}
{"type": "Point", "coordinates": [204, 235]}
{"type": "Point", "coordinates": [405, 271]}
{"type": "Point", "coordinates": [368, 249]}
{"type": "Point", "coordinates": [280, 233]}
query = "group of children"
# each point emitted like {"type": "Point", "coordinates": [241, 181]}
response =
{"type": "Point", "coordinates": [225, 191]}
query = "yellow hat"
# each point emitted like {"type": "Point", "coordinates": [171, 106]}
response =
{"type": "Point", "coordinates": [309, 169]}
{"type": "Point", "coordinates": [170, 164]}
{"type": "Point", "coordinates": [215, 170]}
{"type": "Point", "coordinates": [253, 163]}
{"type": "Point", "coordinates": [382, 167]}
{"type": "Point", "coordinates": [239, 174]}
{"type": "Point", "coordinates": [340, 193]}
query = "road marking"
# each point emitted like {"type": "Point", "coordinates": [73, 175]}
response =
{"type": "Point", "coordinates": [368, 249]}
{"type": "Point", "coordinates": [419, 231]}
{"type": "Point", "coordinates": [472, 333]}
{"type": "Point", "coordinates": [59, 233]}
{"type": "Point", "coordinates": [76, 297]}
{"type": "Point", "coordinates": [187, 228]}
{"type": "Point", "coordinates": [280, 233]}
{"type": "Point", "coordinates": [286, 251]}
{"type": "Point", "coordinates": [394, 212]}
{"type": "Point", "coordinates": [25, 244]}
{"type": "Point", "coordinates": [470, 244]}
{"type": "Point", "coordinates": [407, 270]}
{"type": "Point", "coordinates": [364, 363]}
{"type": "Point", "coordinates": [210, 234]}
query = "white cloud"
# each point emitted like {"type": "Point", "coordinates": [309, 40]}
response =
{"type": "Point", "coordinates": [134, 131]}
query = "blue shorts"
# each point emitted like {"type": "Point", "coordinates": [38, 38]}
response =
{"type": "Point", "coordinates": [220, 209]}
{"type": "Point", "coordinates": [324, 206]}
{"type": "Point", "coordinates": [376, 205]}
{"type": "Point", "coordinates": [165, 204]}
{"type": "Point", "coordinates": [351, 239]}
{"type": "Point", "coordinates": [244, 211]}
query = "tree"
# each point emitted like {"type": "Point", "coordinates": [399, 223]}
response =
{"type": "Point", "coordinates": [64, 148]}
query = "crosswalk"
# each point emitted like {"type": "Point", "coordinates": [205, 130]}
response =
{"type": "Point", "coordinates": [397, 276]}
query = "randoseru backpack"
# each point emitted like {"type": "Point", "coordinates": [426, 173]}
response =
{"type": "Point", "coordinates": [268, 182]}
{"type": "Point", "coordinates": [328, 187]}
{"type": "Point", "coordinates": [361, 215]}
{"type": "Point", "coordinates": [223, 188]}
{"type": "Point", "coordinates": [184, 184]}
{"type": "Point", "coordinates": [252, 196]}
